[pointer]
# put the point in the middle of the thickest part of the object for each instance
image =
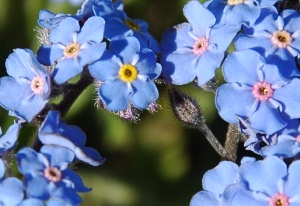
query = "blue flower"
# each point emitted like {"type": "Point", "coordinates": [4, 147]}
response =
{"type": "Point", "coordinates": [46, 174]}
{"type": "Point", "coordinates": [54, 131]}
{"type": "Point", "coordinates": [270, 183]}
{"type": "Point", "coordinates": [257, 92]}
{"type": "Point", "coordinates": [195, 48]}
{"type": "Point", "coordinates": [26, 90]}
{"type": "Point", "coordinates": [127, 72]}
{"type": "Point", "coordinates": [49, 20]}
{"type": "Point", "coordinates": [276, 37]}
{"type": "Point", "coordinates": [73, 47]}
{"type": "Point", "coordinates": [237, 12]}
{"type": "Point", "coordinates": [104, 8]}
{"type": "Point", "coordinates": [118, 24]}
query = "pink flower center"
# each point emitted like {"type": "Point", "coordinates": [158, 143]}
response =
{"type": "Point", "coordinates": [279, 200]}
{"type": "Point", "coordinates": [200, 46]}
{"type": "Point", "coordinates": [281, 39]}
{"type": "Point", "coordinates": [52, 174]}
{"type": "Point", "coordinates": [298, 138]}
{"type": "Point", "coordinates": [37, 85]}
{"type": "Point", "coordinates": [262, 91]}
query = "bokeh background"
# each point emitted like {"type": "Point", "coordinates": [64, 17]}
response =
{"type": "Point", "coordinates": [156, 161]}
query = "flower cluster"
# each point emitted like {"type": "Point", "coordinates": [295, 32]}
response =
{"type": "Point", "coordinates": [101, 45]}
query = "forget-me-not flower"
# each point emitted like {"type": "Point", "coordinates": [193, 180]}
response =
{"type": "Point", "coordinates": [26, 90]}
{"type": "Point", "coordinates": [127, 72]}
{"type": "Point", "coordinates": [46, 174]}
{"type": "Point", "coordinates": [73, 47]}
{"type": "Point", "coordinates": [257, 92]}
{"type": "Point", "coordinates": [276, 37]}
{"type": "Point", "coordinates": [194, 49]}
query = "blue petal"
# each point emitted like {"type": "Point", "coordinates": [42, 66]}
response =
{"type": "Point", "coordinates": [9, 139]}
{"type": "Point", "coordinates": [64, 33]}
{"type": "Point", "coordinates": [249, 197]}
{"type": "Point", "coordinates": [115, 27]}
{"type": "Point", "coordinates": [91, 53]}
{"type": "Point", "coordinates": [232, 100]}
{"type": "Point", "coordinates": [242, 67]}
{"type": "Point", "coordinates": [217, 179]}
{"type": "Point", "coordinates": [19, 64]}
{"type": "Point", "coordinates": [11, 190]}
{"type": "Point", "coordinates": [205, 198]}
{"type": "Point", "coordinates": [2, 169]}
{"type": "Point", "coordinates": [126, 49]}
{"type": "Point", "coordinates": [178, 67]}
{"type": "Point", "coordinates": [144, 93]}
{"type": "Point", "coordinates": [147, 64]}
{"type": "Point", "coordinates": [115, 94]}
{"type": "Point", "coordinates": [207, 65]}
{"type": "Point", "coordinates": [90, 156]}
{"type": "Point", "coordinates": [66, 69]}
{"type": "Point", "coordinates": [199, 17]}
{"type": "Point", "coordinates": [267, 118]}
{"type": "Point", "coordinates": [37, 187]}
{"type": "Point", "coordinates": [92, 30]}
{"type": "Point", "coordinates": [30, 161]}
{"type": "Point", "coordinates": [177, 37]}
{"type": "Point", "coordinates": [223, 41]}
{"type": "Point", "coordinates": [292, 183]}
{"type": "Point", "coordinates": [106, 68]}
{"type": "Point", "coordinates": [289, 97]}
{"type": "Point", "coordinates": [57, 155]}
{"type": "Point", "coordinates": [77, 181]}
{"type": "Point", "coordinates": [267, 180]}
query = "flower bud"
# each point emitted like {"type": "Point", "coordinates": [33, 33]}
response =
{"type": "Point", "coordinates": [185, 108]}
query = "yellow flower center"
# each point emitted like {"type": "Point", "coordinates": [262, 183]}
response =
{"type": "Point", "coordinates": [132, 25]}
{"type": "Point", "coordinates": [235, 2]}
{"type": "Point", "coordinates": [128, 73]}
{"type": "Point", "coordinates": [72, 50]}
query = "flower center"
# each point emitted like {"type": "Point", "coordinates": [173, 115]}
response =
{"type": "Point", "coordinates": [52, 174]}
{"type": "Point", "coordinates": [279, 200]}
{"type": "Point", "coordinates": [298, 138]}
{"type": "Point", "coordinates": [128, 73]}
{"type": "Point", "coordinates": [132, 25]}
{"type": "Point", "coordinates": [281, 39]}
{"type": "Point", "coordinates": [72, 50]}
{"type": "Point", "coordinates": [37, 85]}
{"type": "Point", "coordinates": [235, 2]}
{"type": "Point", "coordinates": [200, 46]}
{"type": "Point", "coordinates": [262, 91]}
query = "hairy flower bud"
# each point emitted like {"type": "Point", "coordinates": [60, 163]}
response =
{"type": "Point", "coordinates": [185, 108]}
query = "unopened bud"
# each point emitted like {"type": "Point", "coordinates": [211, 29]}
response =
{"type": "Point", "coordinates": [185, 108]}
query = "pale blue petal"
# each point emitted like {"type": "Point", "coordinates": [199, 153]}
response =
{"type": "Point", "coordinates": [65, 31]}
{"type": "Point", "coordinates": [115, 95]}
{"type": "Point", "coordinates": [92, 30]}
{"type": "Point", "coordinates": [144, 93]}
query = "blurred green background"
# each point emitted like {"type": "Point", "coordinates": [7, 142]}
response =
{"type": "Point", "coordinates": [156, 161]}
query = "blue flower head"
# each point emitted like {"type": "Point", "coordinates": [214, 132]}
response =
{"type": "Point", "coordinates": [54, 131]}
{"type": "Point", "coordinates": [257, 92]}
{"type": "Point", "coordinates": [194, 49]}
{"type": "Point", "coordinates": [118, 24]}
{"type": "Point", "coordinates": [26, 90]}
{"type": "Point", "coordinates": [127, 72]}
{"type": "Point", "coordinates": [73, 47]}
{"type": "Point", "coordinates": [46, 174]}
{"type": "Point", "coordinates": [276, 37]}
{"type": "Point", "coordinates": [104, 8]}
